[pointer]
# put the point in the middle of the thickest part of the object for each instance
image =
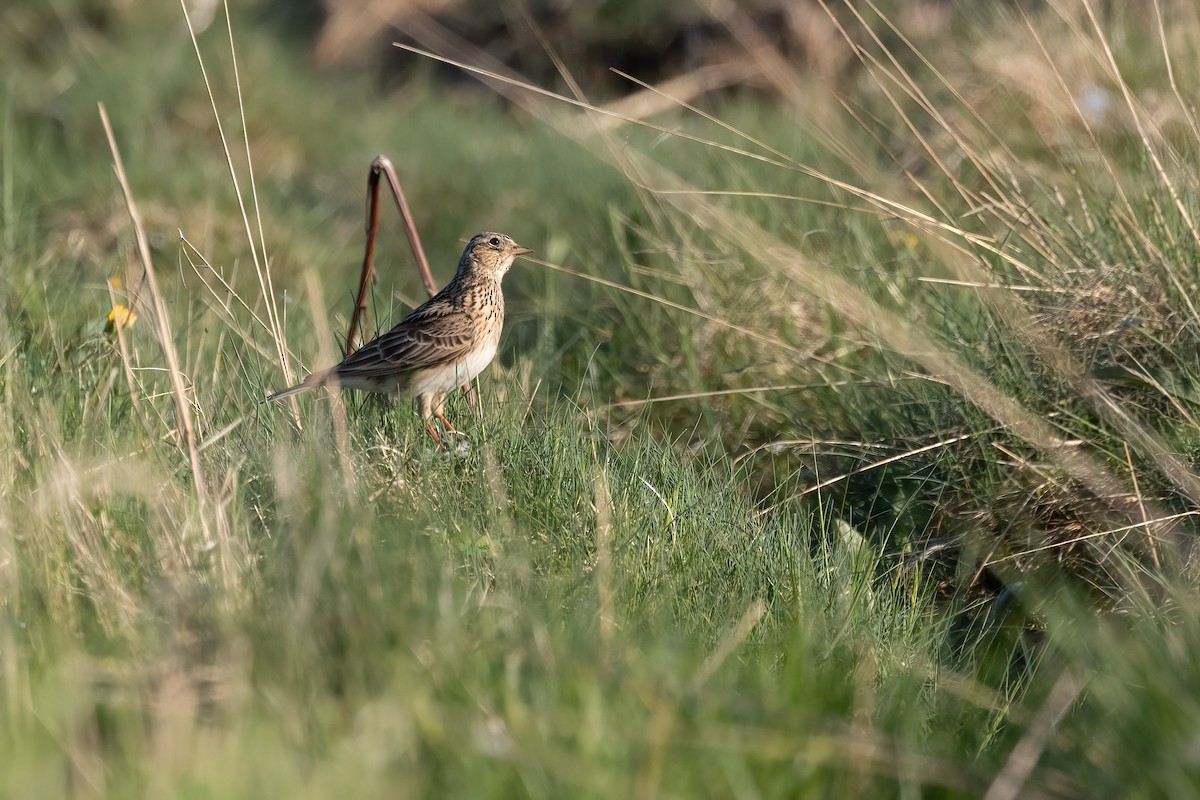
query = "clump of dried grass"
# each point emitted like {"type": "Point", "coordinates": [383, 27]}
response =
{"type": "Point", "coordinates": [1111, 313]}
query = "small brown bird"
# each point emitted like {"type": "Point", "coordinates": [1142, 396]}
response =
{"type": "Point", "coordinates": [442, 345]}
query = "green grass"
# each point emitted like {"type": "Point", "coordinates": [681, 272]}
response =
{"type": "Point", "coordinates": [946, 549]}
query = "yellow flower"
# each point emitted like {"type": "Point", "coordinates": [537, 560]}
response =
{"type": "Point", "coordinates": [121, 317]}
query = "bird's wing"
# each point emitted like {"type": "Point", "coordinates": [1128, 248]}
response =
{"type": "Point", "coordinates": [433, 334]}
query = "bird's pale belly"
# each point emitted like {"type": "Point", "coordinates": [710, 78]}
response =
{"type": "Point", "coordinates": [443, 380]}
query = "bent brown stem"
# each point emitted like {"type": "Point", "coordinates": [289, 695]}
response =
{"type": "Point", "coordinates": [382, 165]}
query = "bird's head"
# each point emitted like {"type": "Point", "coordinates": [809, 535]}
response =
{"type": "Point", "coordinates": [491, 253]}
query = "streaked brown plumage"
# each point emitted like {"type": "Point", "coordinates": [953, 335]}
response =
{"type": "Point", "coordinates": [442, 345]}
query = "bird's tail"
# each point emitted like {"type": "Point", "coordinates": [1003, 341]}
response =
{"type": "Point", "coordinates": [311, 382]}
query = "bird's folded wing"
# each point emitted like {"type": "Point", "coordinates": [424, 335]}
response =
{"type": "Point", "coordinates": [429, 337]}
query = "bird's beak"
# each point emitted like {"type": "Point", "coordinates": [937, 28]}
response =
{"type": "Point", "coordinates": [520, 251]}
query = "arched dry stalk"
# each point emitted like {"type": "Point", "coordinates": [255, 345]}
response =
{"type": "Point", "coordinates": [382, 165]}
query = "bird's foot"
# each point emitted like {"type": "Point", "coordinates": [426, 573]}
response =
{"type": "Point", "coordinates": [433, 432]}
{"type": "Point", "coordinates": [442, 419]}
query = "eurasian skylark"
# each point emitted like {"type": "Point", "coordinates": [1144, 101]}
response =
{"type": "Point", "coordinates": [442, 345]}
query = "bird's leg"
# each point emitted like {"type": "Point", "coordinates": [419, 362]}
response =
{"type": "Point", "coordinates": [427, 410]}
{"type": "Point", "coordinates": [437, 406]}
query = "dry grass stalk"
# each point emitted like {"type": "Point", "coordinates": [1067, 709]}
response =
{"type": "Point", "coordinates": [183, 411]}
{"type": "Point", "coordinates": [381, 165]}
{"type": "Point", "coordinates": [1011, 780]}
{"type": "Point", "coordinates": [257, 247]}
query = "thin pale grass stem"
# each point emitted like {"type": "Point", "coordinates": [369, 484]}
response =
{"type": "Point", "coordinates": [647, 103]}
{"type": "Point", "coordinates": [1146, 524]}
{"type": "Point", "coordinates": [221, 434]}
{"type": "Point", "coordinates": [183, 409]}
{"type": "Point", "coordinates": [867, 468]}
{"type": "Point", "coordinates": [604, 556]}
{"type": "Point", "coordinates": [813, 443]}
{"type": "Point", "coordinates": [730, 643]}
{"type": "Point", "coordinates": [1008, 287]}
{"type": "Point", "coordinates": [890, 208]}
{"type": "Point", "coordinates": [950, 237]}
{"type": "Point", "coordinates": [1137, 492]}
{"type": "Point", "coordinates": [718, 393]}
{"type": "Point", "coordinates": [814, 201]}
{"type": "Point", "coordinates": [1010, 782]}
{"type": "Point", "coordinates": [886, 206]}
{"type": "Point", "coordinates": [187, 245]}
{"type": "Point", "coordinates": [224, 311]}
{"type": "Point", "coordinates": [262, 239]}
{"type": "Point", "coordinates": [771, 340]}
{"type": "Point", "coordinates": [681, 103]}
{"type": "Point", "coordinates": [524, 85]}
{"type": "Point", "coordinates": [778, 445]}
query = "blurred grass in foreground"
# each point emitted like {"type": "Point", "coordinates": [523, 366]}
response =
{"type": "Point", "coordinates": [987, 325]}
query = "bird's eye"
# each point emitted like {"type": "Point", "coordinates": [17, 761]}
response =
{"type": "Point", "coordinates": [494, 242]}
